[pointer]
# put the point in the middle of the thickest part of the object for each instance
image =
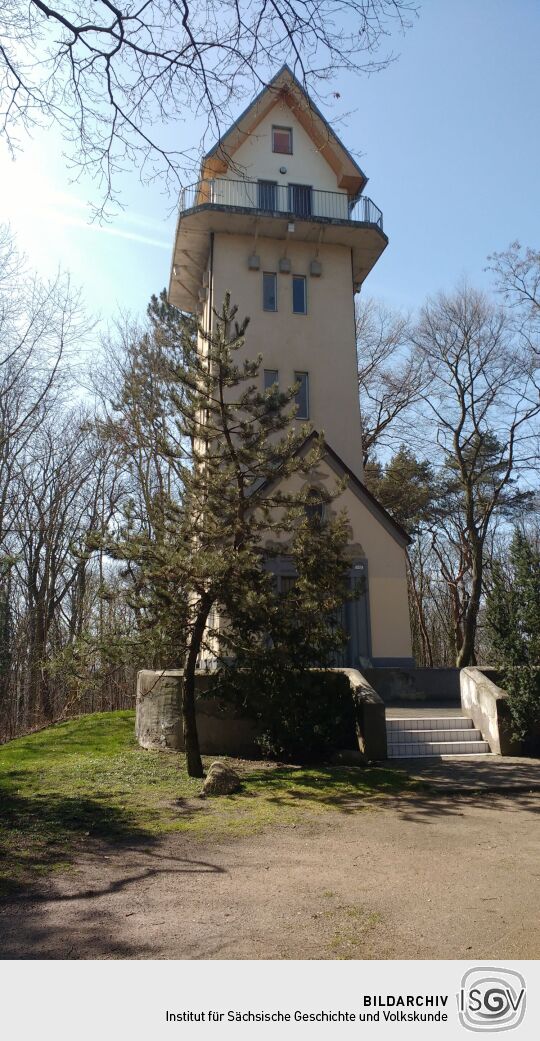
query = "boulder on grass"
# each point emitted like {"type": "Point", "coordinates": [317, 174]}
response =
{"type": "Point", "coordinates": [221, 780]}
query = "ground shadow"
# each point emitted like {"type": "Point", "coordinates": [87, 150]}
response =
{"type": "Point", "coordinates": [437, 791]}
{"type": "Point", "coordinates": [427, 805]}
{"type": "Point", "coordinates": [445, 785]}
{"type": "Point", "coordinates": [71, 919]}
{"type": "Point", "coordinates": [41, 831]}
{"type": "Point", "coordinates": [340, 787]}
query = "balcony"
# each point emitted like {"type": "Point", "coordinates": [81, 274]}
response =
{"type": "Point", "coordinates": [288, 212]}
{"type": "Point", "coordinates": [267, 198]}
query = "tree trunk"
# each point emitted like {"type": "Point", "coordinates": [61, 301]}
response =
{"type": "Point", "coordinates": [417, 599]}
{"type": "Point", "coordinates": [467, 654]}
{"type": "Point", "coordinates": [40, 699]}
{"type": "Point", "coordinates": [189, 716]}
{"type": "Point", "coordinates": [467, 651]}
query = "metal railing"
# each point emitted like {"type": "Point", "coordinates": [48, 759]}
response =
{"type": "Point", "coordinates": [292, 200]}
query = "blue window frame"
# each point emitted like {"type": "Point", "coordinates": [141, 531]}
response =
{"type": "Point", "coordinates": [302, 395]}
{"type": "Point", "coordinates": [299, 297]}
{"type": "Point", "coordinates": [269, 291]}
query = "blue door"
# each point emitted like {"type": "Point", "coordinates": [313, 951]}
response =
{"type": "Point", "coordinates": [354, 619]}
{"type": "Point", "coordinates": [353, 616]}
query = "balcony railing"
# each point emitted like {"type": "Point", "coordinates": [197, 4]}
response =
{"type": "Point", "coordinates": [291, 200]}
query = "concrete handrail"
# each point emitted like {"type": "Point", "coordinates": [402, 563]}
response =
{"type": "Point", "coordinates": [370, 715]}
{"type": "Point", "coordinates": [487, 705]}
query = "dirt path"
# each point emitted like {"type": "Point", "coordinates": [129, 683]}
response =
{"type": "Point", "coordinates": [419, 877]}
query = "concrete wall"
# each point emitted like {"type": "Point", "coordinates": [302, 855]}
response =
{"type": "Point", "coordinates": [321, 342]}
{"type": "Point", "coordinates": [222, 731]}
{"type": "Point", "coordinates": [415, 685]}
{"type": "Point", "coordinates": [158, 721]}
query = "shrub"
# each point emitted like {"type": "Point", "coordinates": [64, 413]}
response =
{"type": "Point", "coordinates": [522, 684]}
{"type": "Point", "coordinates": [303, 718]}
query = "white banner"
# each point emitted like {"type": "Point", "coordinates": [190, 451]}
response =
{"type": "Point", "coordinates": [217, 1000]}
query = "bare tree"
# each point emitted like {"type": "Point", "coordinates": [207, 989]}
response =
{"type": "Point", "coordinates": [113, 76]}
{"type": "Point", "coordinates": [40, 321]}
{"type": "Point", "coordinates": [484, 398]}
{"type": "Point", "coordinates": [133, 417]}
{"type": "Point", "coordinates": [517, 278]}
{"type": "Point", "coordinates": [57, 505]}
{"type": "Point", "coordinates": [390, 376]}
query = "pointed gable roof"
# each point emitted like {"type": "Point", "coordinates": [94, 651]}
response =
{"type": "Point", "coordinates": [285, 87]}
{"type": "Point", "coordinates": [357, 487]}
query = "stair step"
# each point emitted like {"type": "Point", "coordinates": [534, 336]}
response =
{"type": "Point", "coordinates": [414, 750]}
{"type": "Point", "coordinates": [429, 723]}
{"type": "Point", "coordinates": [452, 734]}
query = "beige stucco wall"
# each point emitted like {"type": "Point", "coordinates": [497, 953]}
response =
{"type": "Point", "coordinates": [255, 158]}
{"type": "Point", "coordinates": [387, 578]}
{"type": "Point", "coordinates": [321, 342]}
{"type": "Point", "coordinates": [388, 596]}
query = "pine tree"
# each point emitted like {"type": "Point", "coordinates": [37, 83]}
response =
{"type": "Point", "coordinates": [235, 450]}
{"type": "Point", "coordinates": [406, 487]}
{"type": "Point", "coordinates": [284, 627]}
{"type": "Point", "coordinates": [513, 621]}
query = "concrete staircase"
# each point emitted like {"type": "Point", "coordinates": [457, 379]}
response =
{"type": "Point", "coordinates": [418, 735]}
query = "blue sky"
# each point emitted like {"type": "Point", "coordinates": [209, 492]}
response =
{"type": "Point", "coordinates": [448, 135]}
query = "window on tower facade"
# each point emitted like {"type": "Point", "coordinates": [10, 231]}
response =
{"type": "Point", "coordinates": [267, 195]}
{"type": "Point", "coordinates": [299, 298]}
{"type": "Point", "coordinates": [314, 507]}
{"type": "Point", "coordinates": [282, 140]}
{"type": "Point", "coordinates": [300, 199]}
{"type": "Point", "coordinates": [269, 291]}
{"type": "Point", "coordinates": [271, 378]}
{"type": "Point", "coordinates": [302, 395]}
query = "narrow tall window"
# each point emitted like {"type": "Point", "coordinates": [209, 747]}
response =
{"type": "Point", "coordinates": [299, 299]}
{"type": "Point", "coordinates": [267, 195]}
{"type": "Point", "coordinates": [269, 291]}
{"type": "Point", "coordinates": [302, 395]}
{"type": "Point", "coordinates": [314, 507]}
{"type": "Point", "coordinates": [300, 200]}
{"type": "Point", "coordinates": [282, 140]}
{"type": "Point", "coordinates": [271, 378]}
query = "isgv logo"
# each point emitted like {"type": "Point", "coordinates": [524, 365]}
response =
{"type": "Point", "coordinates": [491, 999]}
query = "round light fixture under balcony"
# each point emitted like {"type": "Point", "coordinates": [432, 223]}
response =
{"type": "Point", "coordinates": [283, 169]}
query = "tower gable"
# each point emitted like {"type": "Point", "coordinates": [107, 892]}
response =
{"type": "Point", "coordinates": [284, 97]}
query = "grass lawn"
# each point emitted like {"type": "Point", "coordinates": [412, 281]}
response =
{"type": "Point", "coordinates": [88, 779]}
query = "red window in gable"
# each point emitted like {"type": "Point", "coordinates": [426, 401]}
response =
{"type": "Point", "coordinates": [282, 140]}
